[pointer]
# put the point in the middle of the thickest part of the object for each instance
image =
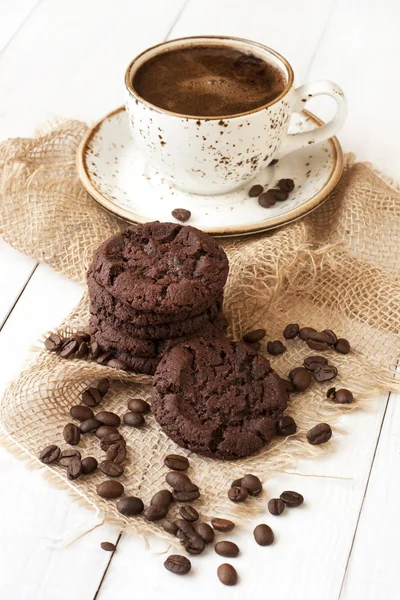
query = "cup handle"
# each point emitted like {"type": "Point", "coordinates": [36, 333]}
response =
{"type": "Point", "coordinates": [303, 94]}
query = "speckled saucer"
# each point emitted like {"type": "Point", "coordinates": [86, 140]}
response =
{"type": "Point", "coordinates": [115, 174]}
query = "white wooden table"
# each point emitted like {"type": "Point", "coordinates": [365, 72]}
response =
{"type": "Point", "coordinates": [67, 58]}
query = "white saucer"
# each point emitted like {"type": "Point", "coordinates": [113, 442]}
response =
{"type": "Point", "coordinates": [116, 175]}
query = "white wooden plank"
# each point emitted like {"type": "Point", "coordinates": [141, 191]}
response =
{"type": "Point", "coordinates": [12, 16]}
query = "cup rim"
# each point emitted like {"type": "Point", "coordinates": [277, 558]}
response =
{"type": "Point", "coordinates": [134, 93]}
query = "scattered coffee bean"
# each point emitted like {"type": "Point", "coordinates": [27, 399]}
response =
{"type": "Point", "coordinates": [81, 412]}
{"type": "Point", "coordinates": [256, 346]}
{"type": "Point", "coordinates": [273, 162]}
{"type": "Point", "coordinates": [185, 496]}
{"type": "Point", "coordinates": [280, 195]}
{"type": "Point", "coordinates": [83, 350]}
{"type": "Point", "coordinates": [116, 452]}
{"type": "Point", "coordinates": [155, 512]}
{"type": "Point", "coordinates": [180, 482]}
{"type": "Point", "coordinates": [181, 214]}
{"type": "Point", "coordinates": [287, 185]}
{"type": "Point", "coordinates": [316, 345]}
{"type": "Point", "coordinates": [66, 456]}
{"type": "Point", "coordinates": [95, 350]}
{"type": "Point", "coordinates": [263, 535]}
{"type": "Point", "coordinates": [305, 332]}
{"type": "Point", "coordinates": [74, 468]}
{"type": "Point", "coordinates": [291, 331]}
{"type": "Point", "coordinates": [237, 494]}
{"type": "Point", "coordinates": [237, 482]}
{"type": "Point", "coordinates": [252, 484]}
{"type": "Point", "coordinates": [50, 454]}
{"type": "Point", "coordinates": [111, 469]}
{"type": "Point", "coordinates": [319, 336]}
{"type": "Point", "coordinates": [177, 564]}
{"type": "Point", "coordinates": [170, 527]}
{"type": "Point", "coordinates": [227, 549]}
{"type": "Point", "coordinates": [205, 531]}
{"type": "Point", "coordinates": [276, 347]}
{"type": "Point", "coordinates": [139, 405]}
{"type": "Point", "coordinates": [341, 396]}
{"type": "Point", "coordinates": [224, 525]}
{"type": "Point", "coordinates": [110, 489]}
{"type": "Point", "coordinates": [189, 513]}
{"type": "Point", "coordinates": [255, 191]}
{"type": "Point", "coordinates": [342, 346]}
{"type": "Point", "coordinates": [89, 425]}
{"type": "Point", "coordinates": [89, 465]}
{"type": "Point", "coordinates": [313, 362]}
{"type": "Point", "coordinates": [267, 199]}
{"type": "Point", "coordinates": [254, 336]}
{"type": "Point", "coordinates": [108, 546]}
{"type": "Point", "coordinates": [276, 506]}
{"type": "Point", "coordinates": [71, 434]}
{"type": "Point", "coordinates": [133, 419]}
{"type": "Point", "coordinates": [53, 342]}
{"type": "Point", "coordinates": [83, 336]}
{"type": "Point", "coordinates": [130, 506]}
{"type": "Point", "coordinates": [300, 378]}
{"type": "Point", "coordinates": [104, 358]}
{"type": "Point", "coordinates": [292, 499]}
{"type": "Point", "coordinates": [227, 574]}
{"type": "Point", "coordinates": [193, 543]}
{"type": "Point", "coordinates": [320, 434]}
{"type": "Point", "coordinates": [324, 373]}
{"type": "Point", "coordinates": [330, 394]}
{"type": "Point", "coordinates": [162, 498]}
{"type": "Point", "coordinates": [116, 363]}
{"type": "Point", "coordinates": [68, 348]}
{"type": "Point", "coordinates": [106, 430]}
{"type": "Point", "coordinates": [103, 386]}
{"type": "Point", "coordinates": [111, 438]}
{"type": "Point", "coordinates": [286, 426]}
{"type": "Point", "coordinates": [108, 418]}
{"type": "Point", "coordinates": [176, 462]}
{"type": "Point", "coordinates": [330, 336]}
{"type": "Point", "coordinates": [91, 397]}
{"type": "Point", "coordinates": [289, 387]}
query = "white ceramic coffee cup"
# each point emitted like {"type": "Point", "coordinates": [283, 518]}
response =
{"type": "Point", "coordinates": [214, 155]}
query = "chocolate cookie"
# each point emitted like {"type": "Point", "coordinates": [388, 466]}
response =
{"type": "Point", "coordinates": [217, 398]}
{"type": "Point", "coordinates": [161, 267]}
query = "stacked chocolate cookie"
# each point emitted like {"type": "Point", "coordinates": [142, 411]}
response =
{"type": "Point", "coordinates": [152, 286]}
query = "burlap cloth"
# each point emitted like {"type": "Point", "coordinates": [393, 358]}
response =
{"type": "Point", "coordinates": [336, 268]}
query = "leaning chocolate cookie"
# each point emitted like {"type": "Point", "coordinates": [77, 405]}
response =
{"type": "Point", "coordinates": [217, 398]}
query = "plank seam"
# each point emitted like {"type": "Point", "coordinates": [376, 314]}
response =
{"type": "Point", "coordinates": [20, 26]}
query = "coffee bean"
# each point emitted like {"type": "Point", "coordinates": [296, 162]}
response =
{"type": "Point", "coordinates": [155, 512]}
{"type": "Point", "coordinates": [66, 456]}
{"type": "Point", "coordinates": [331, 393]}
{"type": "Point", "coordinates": [252, 484]}
{"type": "Point", "coordinates": [134, 419]}
{"type": "Point", "coordinates": [177, 564]}
{"type": "Point", "coordinates": [106, 430]}
{"type": "Point", "coordinates": [108, 418]}
{"type": "Point", "coordinates": [289, 387]}
{"type": "Point", "coordinates": [305, 332]}
{"type": "Point", "coordinates": [267, 199]}
{"type": "Point", "coordinates": [111, 469]}
{"type": "Point", "coordinates": [227, 549]}
{"type": "Point", "coordinates": [91, 397]}
{"type": "Point", "coordinates": [193, 543]}
{"type": "Point", "coordinates": [254, 336]}
{"type": "Point", "coordinates": [291, 331]}
{"type": "Point", "coordinates": [280, 195]}
{"type": "Point", "coordinates": [330, 336]}
{"type": "Point", "coordinates": [180, 482]}
{"type": "Point", "coordinates": [68, 348]}
{"type": "Point", "coordinates": [342, 346]}
{"type": "Point", "coordinates": [276, 506]}
{"type": "Point", "coordinates": [237, 494]}
{"type": "Point", "coordinates": [116, 363]}
{"type": "Point", "coordinates": [94, 350]}
{"type": "Point", "coordinates": [50, 454]}
{"type": "Point", "coordinates": [108, 546]}
{"type": "Point", "coordinates": [81, 412]}
{"type": "Point", "coordinates": [185, 496]}
{"type": "Point", "coordinates": [170, 527]}
{"type": "Point", "coordinates": [176, 462]}
{"type": "Point", "coordinates": [83, 350]}
{"type": "Point", "coordinates": [313, 362]}
{"type": "Point", "coordinates": [83, 336]}
{"type": "Point", "coordinates": [89, 465]}
{"type": "Point", "coordinates": [256, 346]}
{"type": "Point", "coordinates": [292, 499]}
{"type": "Point", "coordinates": [110, 439]}
{"type": "Point", "coordinates": [237, 482]}
{"type": "Point", "coordinates": [205, 532]}
{"type": "Point", "coordinates": [74, 468]}
{"type": "Point", "coordinates": [189, 513]}
{"type": "Point", "coordinates": [227, 574]}
{"type": "Point", "coordinates": [343, 396]}
{"type": "Point", "coordinates": [318, 346]}
{"type": "Point", "coordinates": [222, 524]}
{"type": "Point", "coordinates": [181, 214]}
{"type": "Point", "coordinates": [255, 191]}
{"type": "Point", "coordinates": [53, 342]}
{"type": "Point", "coordinates": [103, 386]}
{"type": "Point", "coordinates": [110, 489]}
{"type": "Point", "coordinates": [320, 434]}
{"type": "Point", "coordinates": [263, 535]}
{"type": "Point", "coordinates": [300, 378]}
{"type": "Point", "coordinates": [139, 405]}
{"type": "Point", "coordinates": [89, 425]}
{"type": "Point", "coordinates": [130, 506]}
{"type": "Point", "coordinates": [287, 185]}
{"type": "Point", "coordinates": [325, 373]}
{"type": "Point", "coordinates": [286, 426]}
{"type": "Point", "coordinates": [71, 434]}
{"type": "Point", "coordinates": [116, 452]}
{"type": "Point", "coordinates": [276, 347]}
{"type": "Point", "coordinates": [162, 498]}
{"type": "Point", "coordinates": [104, 358]}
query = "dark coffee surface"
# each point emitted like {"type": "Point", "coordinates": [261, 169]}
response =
{"type": "Point", "coordinates": [214, 80]}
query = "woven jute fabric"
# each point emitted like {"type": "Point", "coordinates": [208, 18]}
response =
{"type": "Point", "coordinates": [337, 268]}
